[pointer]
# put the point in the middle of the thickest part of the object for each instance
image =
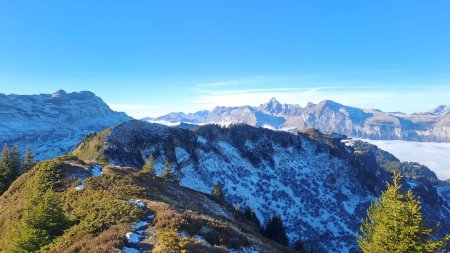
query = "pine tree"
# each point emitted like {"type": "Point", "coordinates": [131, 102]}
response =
{"type": "Point", "coordinates": [250, 215]}
{"type": "Point", "coordinates": [43, 220]}
{"type": "Point", "coordinates": [395, 224]}
{"type": "Point", "coordinates": [5, 154]}
{"type": "Point", "coordinates": [168, 175]}
{"type": "Point", "coordinates": [149, 166]}
{"type": "Point", "coordinates": [9, 167]}
{"type": "Point", "coordinates": [275, 230]}
{"type": "Point", "coordinates": [28, 160]}
{"type": "Point", "coordinates": [217, 190]}
{"type": "Point", "coordinates": [14, 163]}
{"type": "Point", "coordinates": [5, 169]}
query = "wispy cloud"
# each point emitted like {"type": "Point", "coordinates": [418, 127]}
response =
{"type": "Point", "coordinates": [399, 97]}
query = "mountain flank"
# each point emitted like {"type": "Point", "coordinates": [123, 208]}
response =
{"type": "Point", "coordinates": [318, 185]}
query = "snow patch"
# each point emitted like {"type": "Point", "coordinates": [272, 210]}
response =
{"type": "Point", "coordinates": [80, 187]}
{"type": "Point", "coordinates": [96, 170]}
{"type": "Point", "coordinates": [201, 239]}
{"type": "Point", "coordinates": [245, 250]}
{"type": "Point", "coordinates": [183, 234]}
{"type": "Point", "coordinates": [130, 250]}
{"type": "Point", "coordinates": [140, 224]}
{"type": "Point", "coordinates": [137, 202]}
{"type": "Point", "coordinates": [133, 237]}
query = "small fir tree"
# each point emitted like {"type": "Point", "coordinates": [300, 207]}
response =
{"type": "Point", "coordinates": [275, 230]}
{"type": "Point", "coordinates": [4, 169]}
{"type": "Point", "coordinates": [14, 163]}
{"type": "Point", "coordinates": [395, 224]}
{"type": "Point", "coordinates": [43, 221]}
{"type": "Point", "coordinates": [217, 190]}
{"type": "Point", "coordinates": [168, 175]}
{"type": "Point", "coordinates": [250, 215]}
{"type": "Point", "coordinates": [10, 167]}
{"type": "Point", "coordinates": [28, 160]}
{"type": "Point", "coordinates": [149, 166]}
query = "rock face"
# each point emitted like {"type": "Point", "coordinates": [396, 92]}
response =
{"type": "Point", "coordinates": [320, 186]}
{"type": "Point", "coordinates": [52, 124]}
{"type": "Point", "coordinates": [329, 116]}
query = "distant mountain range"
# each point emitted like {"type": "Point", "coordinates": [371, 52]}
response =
{"type": "Point", "coordinates": [327, 116]}
{"type": "Point", "coordinates": [52, 124]}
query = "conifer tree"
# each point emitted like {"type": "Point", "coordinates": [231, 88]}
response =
{"type": "Point", "coordinates": [10, 166]}
{"type": "Point", "coordinates": [168, 175]}
{"type": "Point", "coordinates": [28, 160]}
{"type": "Point", "coordinates": [250, 215]}
{"type": "Point", "coordinates": [149, 166]}
{"type": "Point", "coordinates": [5, 155]}
{"type": "Point", "coordinates": [275, 230]}
{"type": "Point", "coordinates": [43, 220]}
{"type": "Point", "coordinates": [5, 169]}
{"type": "Point", "coordinates": [14, 163]}
{"type": "Point", "coordinates": [217, 190]}
{"type": "Point", "coordinates": [395, 224]}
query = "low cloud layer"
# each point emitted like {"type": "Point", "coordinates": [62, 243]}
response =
{"type": "Point", "coordinates": [434, 155]}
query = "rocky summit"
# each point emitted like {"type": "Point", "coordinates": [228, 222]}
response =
{"type": "Point", "coordinates": [52, 124]}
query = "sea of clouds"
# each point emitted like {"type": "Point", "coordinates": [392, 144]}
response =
{"type": "Point", "coordinates": [434, 155]}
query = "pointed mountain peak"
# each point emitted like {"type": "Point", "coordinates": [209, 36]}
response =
{"type": "Point", "coordinates": [272, 106]}
{"type": "Point", "coordinates": [274, 100]}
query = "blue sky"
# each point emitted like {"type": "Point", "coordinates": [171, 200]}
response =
{"type": "Point", "coordinates": [152, 57]}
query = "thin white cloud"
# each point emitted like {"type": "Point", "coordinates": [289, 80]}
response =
{"type": "Point", "coordinates": [408, 99]}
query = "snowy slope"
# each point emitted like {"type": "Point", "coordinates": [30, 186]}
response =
{"type": "Point", "coordinates": [53, 124]}
{"type": "Point", "coordinates": [320, 189]}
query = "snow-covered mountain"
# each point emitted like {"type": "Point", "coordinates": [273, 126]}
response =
{"type": "Point", "coordinates": [52, 124]}
{"type": "Point", "coordinates": [319, 185]}
{"type": "Point", "coordinates": [328, 116]}
{"type": "Point", "coordinates": [441, 110]}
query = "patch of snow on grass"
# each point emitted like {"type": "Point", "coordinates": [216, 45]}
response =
{"type": "Point", "coordinates": [80, 187]}
{"type": "Point", "coordinates": [130, 250]}
{"type": "Point", "coordinates": [140, 224]}
{"type": "Point", "coordinates": [137, 202]}
{"type": "Point", "coordinates": [96, 170]}
{"type": "Point", "coordinates": [133, 237]}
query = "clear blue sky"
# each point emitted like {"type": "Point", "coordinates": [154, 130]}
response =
{"type": "Point", "coordinates": [152, 57]}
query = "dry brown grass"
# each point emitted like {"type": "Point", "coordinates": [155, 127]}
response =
{"type": "Point", "coordinates": [104, 242]}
